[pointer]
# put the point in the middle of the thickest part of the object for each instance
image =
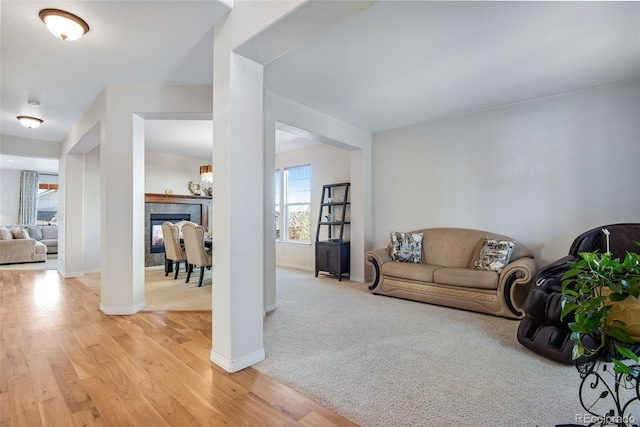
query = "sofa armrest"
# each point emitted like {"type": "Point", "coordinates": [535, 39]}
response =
{"type": "Point", "coordinates": [376, 258]}
{"type": "Point", "coordinates": [549, 278]}
{"type": "Point", "coordinates": [17, 250]}
{"type": "Point", "coordinates": [515, 283]}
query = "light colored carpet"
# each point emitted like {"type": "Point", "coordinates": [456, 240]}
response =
{"type": "Point", "coordinates": [163, 293]}
{"type": "Point", "coordinates": [382, 361]}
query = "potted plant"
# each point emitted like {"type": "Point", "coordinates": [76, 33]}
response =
{"type": "Point", "coordinates": [593, 289]}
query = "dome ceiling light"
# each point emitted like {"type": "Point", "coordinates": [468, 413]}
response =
{"type": "Point", "coordinates": [30, 122]}
{"type": "Point", "coordinates": [64, 25]}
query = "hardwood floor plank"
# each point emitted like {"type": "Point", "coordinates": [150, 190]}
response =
{"type": "Point", "coordinates": [23, 402]}
{"type": "Point", "coordinates": [44, 382]}
{"type": "Point", "coordinates": [64, 362]}
{"type": "Point", "coordinates": [53, 412]}
{"type": "Point", "coordinates": [89, 417]}
{"type": "Point", "coordinates": [175, 413]}
{"type": "Point", "coordinates": [71, 388]}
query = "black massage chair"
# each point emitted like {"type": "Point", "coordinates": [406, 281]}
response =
{"type": "Point", "coordinates": [542, 330]}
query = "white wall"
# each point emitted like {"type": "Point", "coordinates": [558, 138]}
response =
{"type": "Point", "coordinates": [329, 165]}
{"type": "Point", "coordinates": [10, 179]}
{"type": "Point", "coordinates": [28, 147]}
{"type": "Point", "coordinates": [91, 215]}
{"type": "Point", "coordinates": [169, 171]}
{"type": "Point", "coordinates": [278, 111]}
{"type": "Point", "coordinates": [540, 172]}
{"type": "Point", "coordinates": [9, 196]}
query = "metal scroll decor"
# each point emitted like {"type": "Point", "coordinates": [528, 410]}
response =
{"type": "Point", "coordinates": [609, 398]}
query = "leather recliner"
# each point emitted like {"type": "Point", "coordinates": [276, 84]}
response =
{"type": "Point", "coordinates": [542, 330]}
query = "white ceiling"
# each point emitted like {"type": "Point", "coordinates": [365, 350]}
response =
{"type": "Point", "coordinates": [28, 163]}
{"type": "Point", "coordinates": [399, 63]}
{"type": "Point", "coordinates": [394, 64]}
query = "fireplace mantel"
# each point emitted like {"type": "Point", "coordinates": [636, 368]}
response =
{"type": "Point", "coordinates": [203, 201]}
{"type": "Point", "coordinates": [176, 198]}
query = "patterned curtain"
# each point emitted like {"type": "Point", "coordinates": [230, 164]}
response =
{"type": "Point", "coordinates": [27, 211]}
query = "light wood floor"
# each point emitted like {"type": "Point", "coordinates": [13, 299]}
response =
{"type": "Point", "coordinates": [65, 363]}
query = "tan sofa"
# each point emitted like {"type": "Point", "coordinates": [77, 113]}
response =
{"type": "Point", "coordinates": [447, 273]}
{"type": "Point", "coordinates": [19, 250]}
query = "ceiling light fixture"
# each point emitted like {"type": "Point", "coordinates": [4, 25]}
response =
{"type": "Point", "coordinates": [206, 174]}
{"type": "Point", "coordinates": [30, 122]}
{"type": "Point", "coordinates": [64, 25]}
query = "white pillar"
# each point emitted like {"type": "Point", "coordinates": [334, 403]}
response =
{"type": "Point", "coordinates": [238, 226]}
{"type": "Point", "coordinates": [70, 255]}
{"type": "Point", "coordinates": [122, 212]}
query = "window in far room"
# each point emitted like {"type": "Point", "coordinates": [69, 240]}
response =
{"type": "Point", "coordinates": [47, 205]}
{"type": "Point", "coordinates": [297, 204]}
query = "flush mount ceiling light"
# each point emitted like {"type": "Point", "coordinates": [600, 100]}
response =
{"type": "Point", "coordinates": [64, 25]}
{"type": "Point", "coordinates": [30, 122]}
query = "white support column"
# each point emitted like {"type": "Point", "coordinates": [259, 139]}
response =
{"type": "Point", "coordinates": [122, 213]}
{"type": "Point", "coordinates": [238, 226]}
{"type": "Point", "coordinates": [70, 255]}
{"type": "Point", "coordinates": [253, 34]}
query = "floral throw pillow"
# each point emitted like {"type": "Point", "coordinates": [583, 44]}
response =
{"type": "Point", "coordinates": [406, 247]}
{"type": "Point", "coordinates": [494, 255]}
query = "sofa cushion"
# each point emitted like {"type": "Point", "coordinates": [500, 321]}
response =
{"type": "Point", "coordinates": [409, 271]}
{"type": "Point", "coordinates": [34, 232]}
{"type": "Point", "coordinates": [406, 247]}
{"type": "Point", "coordinates": [5, 233]}
{"type": "Point", "coordinates": [494, 255]}
{"type": "Point", "coordinates": [450, 247]}
{"type": "Point", "coordinates": [19, 233]}
{"type": "Point", "coordinates": [49, 231]}
{"type": "Point", "coordinates": [466, 277]}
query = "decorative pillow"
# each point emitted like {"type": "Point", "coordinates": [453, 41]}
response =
{"type": "Point", "coordinates": [406, 247]}
{"type": "Point", "coordinates": [5, 234]}
{"type": "Point", "coordinates": [19, 233]}
{"type": "Point", "coordinates": [34, 232]}
{"type": "Point", "coordinates": [494, 255]}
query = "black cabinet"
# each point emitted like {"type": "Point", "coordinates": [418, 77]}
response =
{"type": "Point", "coordinates": [333, 258]}
{"type": "Point", "coordinates": [332, 244]}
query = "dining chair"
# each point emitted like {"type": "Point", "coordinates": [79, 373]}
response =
{"type": "Point", "coordinates": [172, 249]}
{"type": "Point", "coordinates": [181, 223]}
{"type": "Point", "coordinates": [197, 254]}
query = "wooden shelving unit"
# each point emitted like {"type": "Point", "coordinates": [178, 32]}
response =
{"type": "Point", "coordinates": [332, 243]}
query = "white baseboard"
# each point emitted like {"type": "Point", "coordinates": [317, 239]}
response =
{"type": "Point", "coordinates": [236, 365]}
{"type": "Point", "coordinates": [270, 308]}
{"type": "Point", "coordinates": [297, 267]}
{"type": "Point", "coordinates": [70, 274]}
{"type": "Point", "coordinates": [122, 311]}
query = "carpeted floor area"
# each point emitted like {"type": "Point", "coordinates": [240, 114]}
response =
{"type": "Point", "coordinates": [381, 361]}
{"type": "Point", "coordinates": [163, 293]}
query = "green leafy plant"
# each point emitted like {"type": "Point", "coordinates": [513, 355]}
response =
{"type": "Point", "coordinates": [590, 289]}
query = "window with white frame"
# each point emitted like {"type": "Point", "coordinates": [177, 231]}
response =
{"type": "Point", "coordinates": [297, 204]}
{"type": "Point", "coordinates": [47, 204]}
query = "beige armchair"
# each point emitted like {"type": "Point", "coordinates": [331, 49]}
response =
{"type": "Point", "coordinates": [195, 249]}
{"type": "Point", "coordinates": [172, 249]}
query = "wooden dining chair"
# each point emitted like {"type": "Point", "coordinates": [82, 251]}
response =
{"type": "Point", "coordinates": [197, 253]}
{"type": "Point", "coordinates": [172, 248]}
